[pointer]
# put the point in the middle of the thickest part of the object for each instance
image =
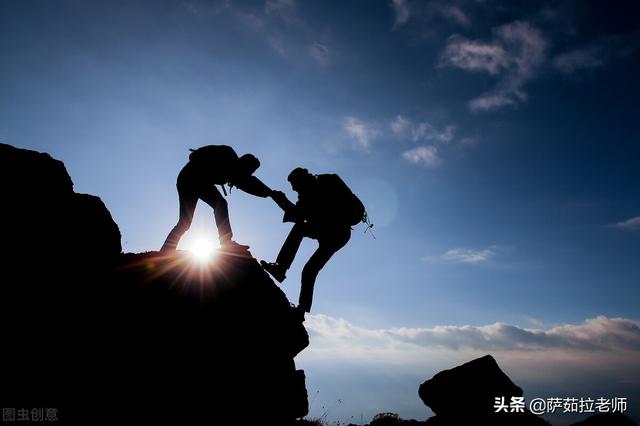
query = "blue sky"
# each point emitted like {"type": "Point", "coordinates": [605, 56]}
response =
{"type": "Point", "coordinates": [495, 145]}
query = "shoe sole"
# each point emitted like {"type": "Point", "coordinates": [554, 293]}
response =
{"type": "Point", "coordinates": [279, 279]}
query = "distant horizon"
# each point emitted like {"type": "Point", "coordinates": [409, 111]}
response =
{"type": "Point", "coordinates": [494, 145]}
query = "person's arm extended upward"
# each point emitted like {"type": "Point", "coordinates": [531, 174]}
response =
{"type": "Point", "coordinates": [254, 186]}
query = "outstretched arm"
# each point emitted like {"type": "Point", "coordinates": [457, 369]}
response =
{"type": "Point", "coordinates": [282, 201]}
{"type": "Point", "coordinates": [291, 211]}
{"type": "Point", "coordinates": [254, 186]}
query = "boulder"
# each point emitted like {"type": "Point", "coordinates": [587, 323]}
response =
{"type": "Point", "coordinates": [466, 395]}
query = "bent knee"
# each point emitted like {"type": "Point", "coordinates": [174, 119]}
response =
{"type": "Point", "coordinates": [220, 203]}
{"type": "Point", "coordinates": [183, 224]}
{"type": "Point", "coordinates": [310, 270]}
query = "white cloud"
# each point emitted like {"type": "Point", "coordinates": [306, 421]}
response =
{"type": "Point", "coordinates": [400, 125]}
{"type": "Point", "coordinates": [468, 256]}
{"type": "Point", "coordinates": [473, 55]}
{"type": "Point", "coordinates": [596, 334]}
{"type": "Point", "coordinates": [429, 137]}
{"type": "Point", "coordinates": [597, 53]}
{"type": "Point", "coordinates": [429, 12]}
{"type": "Point", "coordinates": [632, 224]}
{"type": "Point", "coordinates": [491, 101]}
{"type": "Point", "coordinates": [446, 135]}
{"type": "Point", "coordinates": [513, 56]}
{"type": "Point", "coordinates": [401, 9]}
{"type": "Point", "coordinates": [455, 13]}
{"type": "Point", "coordinates": [404, 127]}
{"type": "Point", "coordinates": [422, 155]}
{"type": "Point", "coordinates": [579, 59]}
{"type": "Point", "coordinates": [360, 131]}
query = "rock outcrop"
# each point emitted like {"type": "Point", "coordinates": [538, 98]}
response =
{"type": "Point", "coordinates": [107, 337]}
{"type": "Point", "coordinates": [466, 395]}
{"type": "Point", "coordinates": [42, 214]}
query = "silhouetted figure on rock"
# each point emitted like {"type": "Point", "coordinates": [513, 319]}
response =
{"type": "Point", "coordinates": [209, 166]}
{"type": "Point", "coordinates": [325, 211]}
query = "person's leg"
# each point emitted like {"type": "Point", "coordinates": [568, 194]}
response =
{"type": "Point", "coordinates": [328, 246]}
{"type": "Point", "coordinates": [212, 197]}
{"type": "Point", "coordinates": [290, 247]}
{"type": "Point", "coordinates": [188, 201]}
{"type": "Point", "coordinates": [278, 270]}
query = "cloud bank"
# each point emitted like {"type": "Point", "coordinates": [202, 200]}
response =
{"type": "Point", "coordinates": [601, 346]}
{"type": "Point", "coordinates": [596, 334]}
{"type": "Point", "coordinates": [600, 354]}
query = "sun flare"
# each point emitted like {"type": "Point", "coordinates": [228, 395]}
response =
{"type": "Point", "coordinates": [202, 249]}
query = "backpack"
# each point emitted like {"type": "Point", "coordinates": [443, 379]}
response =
{"type": "Point", "coordinates": [213, 154]}
{"type": "Point", "coordinates": [348, 206]}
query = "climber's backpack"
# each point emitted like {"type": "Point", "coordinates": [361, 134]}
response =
{"type": "Point", "coordinates": [213, 155]}
{"type": "Point", "coordinates": [347, 206]}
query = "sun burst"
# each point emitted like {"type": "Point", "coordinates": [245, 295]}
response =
{"type": "Point", "coordinates": [202, 249]}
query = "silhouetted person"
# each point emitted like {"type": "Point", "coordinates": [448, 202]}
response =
{"type": "Point", "coordinates": [325, 211]}
{"type": "Point", "coordinates": [209, 166]}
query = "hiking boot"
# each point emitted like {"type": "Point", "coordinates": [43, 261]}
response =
{"type": "Point", "coordinates": [230, 245]}
{"type": "Point", "coordinates": [274, 269]}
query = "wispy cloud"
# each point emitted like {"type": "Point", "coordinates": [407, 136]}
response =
{"type": "Point", "coordinates": [455, 13]}
{"type": "Point", "coordinates": [360, 131]}
{"type": "Point", "coordinates": [400, 125]}
{"type": "Point", "coordinates": [320, 53]}
{"type": "Point", "coordinates": [426, 155]}
{"type": "Point", "coordinates": [451, 11]}
{"type": "Point", "coordinates": [461, 255]}
{"type": "Point", "coordinates": [423, 131]}
{"type": "Point", "coordinates": [278, 23]}
{"type": "Point", "coordinates": [596, 54]}
{"type": "Point", "coordinates": [430, 138]}
{"type": "Point", "coordinates": [578, 59]}
{"type": "Point", "coordinates": [513, 56]}
{"type": "Point", "coordinates": [473, 55]}
{"type": "Point", "coordinates": [401, 10]}
{"type": "Point", "coordinates": [631, 224]}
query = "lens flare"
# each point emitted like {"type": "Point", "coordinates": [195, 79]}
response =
{"type": "Point", "coordinates": [202, 249]}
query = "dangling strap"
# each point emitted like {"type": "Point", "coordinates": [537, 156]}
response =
{"type": "Point", "coordinates": [365, 220]}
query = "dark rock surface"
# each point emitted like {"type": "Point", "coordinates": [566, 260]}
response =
{"type": "Point", "coordinates": [609, 419]}
{"type": "Point", "coordinates": [466, 395]}
{"type": "Point", "coordinates": [42, 214]}
{"type": "Point", "coordinates": [115, 338]}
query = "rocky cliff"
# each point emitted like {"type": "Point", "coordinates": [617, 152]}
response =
{"type": "Point", "coordinates": [110, 337]}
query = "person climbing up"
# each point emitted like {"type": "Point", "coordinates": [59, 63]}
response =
{"type": "Point", "coordinates": [209, 166]}
{"type": "Point", "coordinates": [326, 210]}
